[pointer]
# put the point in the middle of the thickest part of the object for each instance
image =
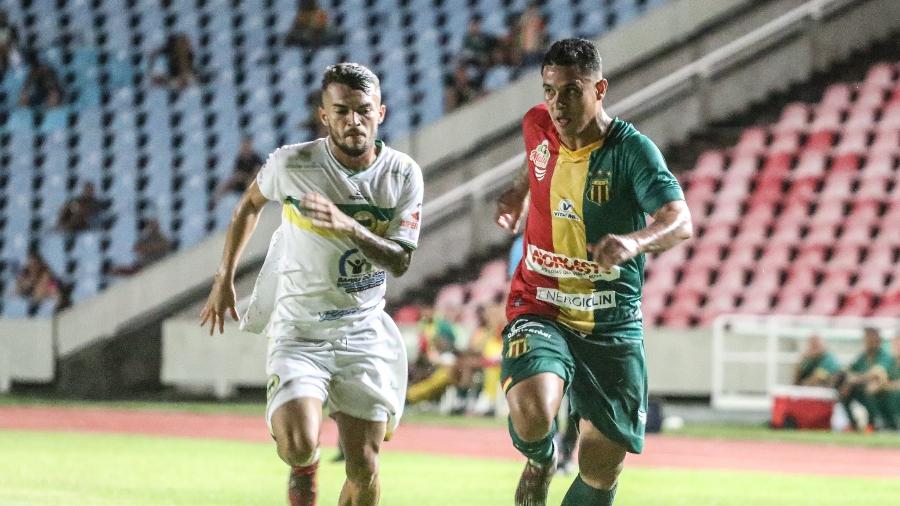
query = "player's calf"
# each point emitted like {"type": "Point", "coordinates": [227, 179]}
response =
{"type": "Point", "coordinates": [303, 485]}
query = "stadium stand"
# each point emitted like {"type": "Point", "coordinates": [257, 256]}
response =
{"type": "Point", "coordinates": [155, 152]}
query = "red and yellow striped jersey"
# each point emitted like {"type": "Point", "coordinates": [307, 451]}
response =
{"type": "Point", "coordinates": [577, 197]}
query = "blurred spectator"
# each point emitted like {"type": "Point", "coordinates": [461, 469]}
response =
{"type": "Point", "coordinates": [459, 88]}
{"type": "Point", "coordinates": [530, 36]}
{"type": "Point", "coordinates": [311, 27]}
{"type": "Point", "coordinates": [313, 123]}
{"type": "Point", "coordinates": [818, 366]}
{"type": "Point", "coordinates": [36, 282]}
{"type": "Point", "coordinates": [477, 46]}
{"type": "Point", "coordinates": [479, 364]}
{"type": "Point", "coordinates": [151, 246]}
{"type": "Point", "coordinates": [9, 40]}
{"type": "Point", "coordinates": [885, 391]}
{"type": "Point", "coordinates": [41, 88]}
{"type": "Point", "coordinates": [872, 365]}
{"type": "Point", "coordinates": [435, 367]}
{"type": "Point", "coordinates": [179, 64]}
{"type": "Point", "coordinates": [246, 165]}
{"type": "Point", "coordinates": [81, 212]}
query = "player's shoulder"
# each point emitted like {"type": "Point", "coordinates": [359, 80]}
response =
{"type": "Point", "coordinates": [399, 162]}
{"type": "Point", "coordinates": [294, 154]}
{"type": "Point", "coordinates": [538, 116]}
{"type": "Point", "coordinates": [632, 139]}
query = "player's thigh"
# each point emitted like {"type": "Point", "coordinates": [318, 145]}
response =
{"type": "Point", "coordinates": [609, 388]}
{"type": "Point", "coordinates": [370, 372]}
{"type": "Point", "coordinates": [534, 347]}
{"type": "Point", "coordinates": [299, 373]}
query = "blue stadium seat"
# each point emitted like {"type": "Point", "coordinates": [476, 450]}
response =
{"type": "Point", "coordinates": [15, 307]}
{"type": "Point", "coordinates": [51, 248]}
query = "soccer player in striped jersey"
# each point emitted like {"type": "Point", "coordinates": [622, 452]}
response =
{"type": "Point", "coordinates": [574, 302]}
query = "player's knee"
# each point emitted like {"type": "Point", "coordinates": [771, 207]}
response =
{"type": "Point", "coordinates": [531, 421]}
{"type": "Point", "coordinates": [296, 448]}
{"type": "Point", "coordinates": [363, 470]}
{"type": "Point", "coordinates": [600, 462]}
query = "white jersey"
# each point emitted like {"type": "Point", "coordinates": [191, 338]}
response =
{"type": "Point", "coordinates": [312, 275]}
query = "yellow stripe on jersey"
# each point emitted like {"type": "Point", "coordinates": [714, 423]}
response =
{"type": "Point", "coordinates": [569, 236]}
{"type": "Point", "coordinates": [291, 214]}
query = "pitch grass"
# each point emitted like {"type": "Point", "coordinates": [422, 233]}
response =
{"type": "Point", "coordinates": [39, 468]}
{"type": "Point", "coordinates": [415, 416]}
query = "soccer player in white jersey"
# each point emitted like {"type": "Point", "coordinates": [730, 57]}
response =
{"type": "Point", "coordinates": [350, 211]}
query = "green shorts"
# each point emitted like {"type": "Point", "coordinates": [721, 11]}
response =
{"type": "Point", "coordinates": [605, 376]}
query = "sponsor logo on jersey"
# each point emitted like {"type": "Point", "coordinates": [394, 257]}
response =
{"type": "Point", "coordinates": [566, 210]}
{"type": "Point", "coordinates": [579, 301]}
{"type": "Point", "coordinates": [337, 314]}
{"type": "Point", "coordinates": [517, 348]}
{"type": "Point", "coordinates": [272, 386]}
{"type": "Point", "coordinates": [357, 274]}
{"type": "Point", "coordinates": [599, 189]}
{"type": "Point", "coordinates": [555, 265]}
{"type": "Point", "coordinates": [531, 328]}
{"type": "Point", "coordinates": [412, 223]}
{"type": "Point", "coordinates": [371, 222]}
{"type": "Point", "coordinates": [540, 157]}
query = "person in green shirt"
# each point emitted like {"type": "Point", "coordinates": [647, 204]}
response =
{"type": "Point", "coordinates": [886, 392]}
{"type": "Point", "coordinates": [818, 366]}
{"type": "Point", "coordinates": [871, 366]}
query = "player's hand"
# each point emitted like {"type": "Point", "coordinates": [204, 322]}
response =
{"type": "Point", "coordinates": [221, 299]}
{"type": "Point", "coordinates": [509, 210]}
{"type": "Point", "coordinates": [612, 250]}
{"type": "Point", "coordinates": [324, 214]}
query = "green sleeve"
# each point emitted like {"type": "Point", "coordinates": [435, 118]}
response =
{"type": "Point", "coordinates": [830, 363]}
{"type": "Point", "coordinates": [859, 365]}
{"type": "Point", "coordinates": [653, 184]}
{"type": "Point", "coordinates": [885, 360]}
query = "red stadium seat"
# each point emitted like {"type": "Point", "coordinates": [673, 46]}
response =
{"type": "Point", "coordinates": [835, 282]}
{"type": "Point", "coordinates": [784, 143]}
{"type": "Point", "coordinates": [847, 163]}
{"type": "Point", "coordinates": [742, 167]}
{"type": "Point", "coordinates": [870, 96]}
{"type": "Point", "coordinates": [836, 96]}
{"type": "Point", "coordinates": [790, 303]}
{"type": "Point", "coordinates": [752, 142]}
{"type": "Point", "coordinates": [852, 142]}
{"type": "Point", "coordinates": [751, 235]}
{"type": "Point", "coordinates": [828, 119]}
{"type": "Point", "coordinates": [802, 191]}
{"type": "Point", "coordinates": [838, 187]}
{"type": "Point", "coordinates": [756, 302]}
{"type": "Point", "coordinates": [810, 165]}
{"type": "Point", "coordinates": [820, 235]}
{"type": "Point", "coordinates": [796, 213]}
{"type": "Point", "coordinates": [859, 235]}
{"type": "Point", "coordinates": [872, 187]}
{"type": "Point", "coordinates": [863, 214]}
{"type": "Point", "coordinates": [871, 280]}
{"type": "Point", "coordinates": [857, 303]}
{"type": "Point", "coordinates": [725, 212]}
{"type": "Point", "coordinates": [732, 192]}
{"type": "Point", "coordinates": [453, 295]}
{"type": "Point", "coordinates": [407, 315]}
{"type": "Point", "coordinates": [882, 75]}
{"type": "Point", "coordinates": [768, 193]}
{"type": "Point", "coordinates": [708, 256]}
{"type": "Point", "coordinates": [889, 305]}
{"type": "Point", "coordinates": [820, 141]}
{"type": "Point", "coordinates": [711, 164]}
{"type": "Point", "coordinates": [861, 117]}
{"type": "Point", "coordinates": [823, 303]}
{"type": "Point", "coordinates": [794, 118]}
{"type": "Point", "coordinates": [740, 255]}
{"type": "Point", "coordinates": [890, 116]}
{"type": "Point", "coordinates": [777, 167]}
{"type": "Point", "coordinates": [885, 143]}
{"type": "Point", "coordinates": [730, 280]}
{"type": "Point", "coordinates": [828, 211]}
{"type": "Point", "coordinates": [695, 279]}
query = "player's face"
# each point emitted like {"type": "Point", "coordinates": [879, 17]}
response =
{"type": "Point", "coordinates": [352, 118]}
{"type": "Point", "coordinates": [571, 97]}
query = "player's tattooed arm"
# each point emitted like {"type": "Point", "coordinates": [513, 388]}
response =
{"type": "Point", "coordinates": [387, 254]}
{"type": "Point", "coordinates": [511, 203]}
{"type": "Point", "coordinates": [671, 225]}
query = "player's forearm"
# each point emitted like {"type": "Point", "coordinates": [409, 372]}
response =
{"type": "Point", "coordinates": [519, 185]}
{"type": "Point", "coordinates": [385, 253]}
{"type": "Point", "coordinates": [243, 223]}
{"type": "Point", "coordinates": [671, 225]}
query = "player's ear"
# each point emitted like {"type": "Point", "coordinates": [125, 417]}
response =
{"type": "Point", "coordinates": [382, 110]}
{"type": "Point", "coordinates": [601, 87]}
{"type": "Point", "coordinates": [323, 116]}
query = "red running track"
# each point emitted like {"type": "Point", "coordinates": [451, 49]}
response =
{"type": "Point", "coordinates": [660, 451]}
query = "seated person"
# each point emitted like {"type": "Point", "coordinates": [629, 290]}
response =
{"type": "Point", "coordinates": [179, 67]}
{"type": "Point", "coordinates": [818, 366]}
{"type": "Point", "coordinates": [435, 368]}
{"type": "Point", "coordinates": [311, 27]}
{"type": "Point", "coordinates": [872, 365]}
{"type": "Point", "coordinates": [246, 166]}
{"type": "Point", "coordinates": [42, 87]}
{"type": "Point", "coordinates": [885, 391]}
{"type": "Point", "coordinates": [36, 282]}
{"type": "Point", "coordinates": [482, 356]}
{"type": "Point", "coordinates": [81, 212]}
{"type": "Point", "coordinates": [150, 246]}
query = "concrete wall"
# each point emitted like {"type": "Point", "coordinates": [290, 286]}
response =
{"type": "Point", "coordinates": [26, 352]}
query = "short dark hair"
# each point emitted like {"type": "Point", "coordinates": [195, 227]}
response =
{"type": "Point", "coordinates": [354, 75]}
{"type": "Point", "coordinates": [581, 53]}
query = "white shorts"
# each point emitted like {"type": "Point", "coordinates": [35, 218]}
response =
{"type": "Point", "coordinates": [358, 368]}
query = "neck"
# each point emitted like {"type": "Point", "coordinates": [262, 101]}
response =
{"type": "Point", "coordinates": [354, 163]}
{"type": "Point", "coordinates": [597, 129]}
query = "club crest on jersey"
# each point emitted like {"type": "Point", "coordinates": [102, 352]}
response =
{"type": "Point", "coordinates": [566, 210]}
{"type": "Point", "coordinates": [540, 157]}
{"type": "Point", "coordinates": [371, 222]}
{"type": "Point", "coordinates": [272, 385]}
{"type": "Point", "coordinates": [356, 273]}
{"type": "Point", "coordinates": [517, 348]}
{"type": "Point", "coordinates": [599, 190]}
